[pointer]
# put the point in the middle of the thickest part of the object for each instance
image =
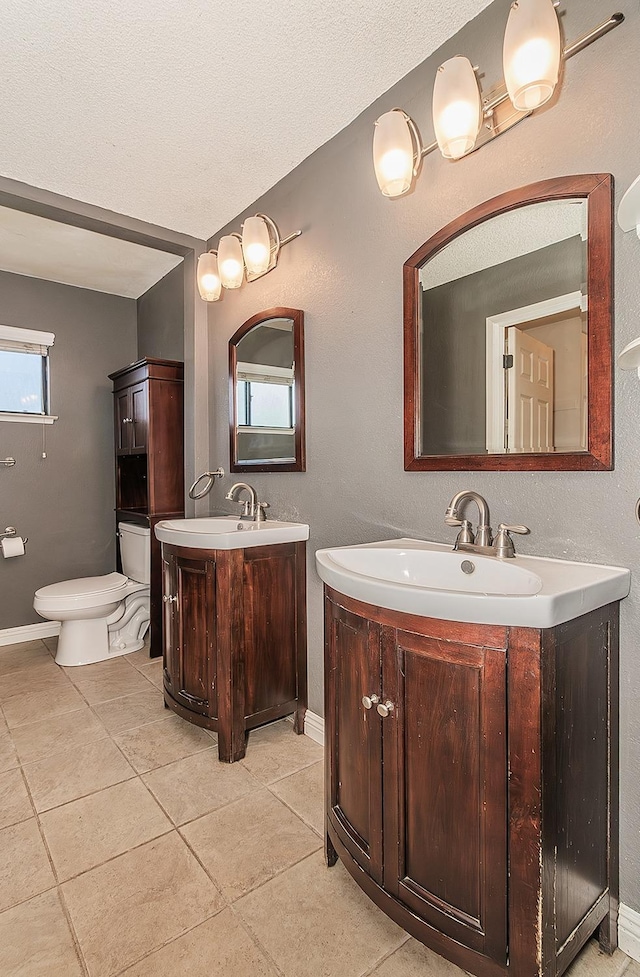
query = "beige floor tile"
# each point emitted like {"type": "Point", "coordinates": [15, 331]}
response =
{"type": "Point", "coordinates": [130, 906]}
{"type": "Point", "coordinates": [219, 947]}
{"type": "Point", "coordinates": [24, 867]}
{"type": "Point", "coordinates": [157, 744]}
{"type": "Point", "coordinates": [415, 960]}
{"type": "Point", "coordinates": [590, 962]}
{"type": "Point", "coordinates": [93, 829]}
{"type": "Point", "coordinates": [275, 751]}
{"type": "Point", "coordinates": [315, 922]}
{"type": "Point", "coordinates": [132, 710]}
{"type": "Point", "coordinates": [106, 680]}
{"type": "Point", "coordinates": [199, 784]}
{"type": "Point", "coordinates": [633, 970]}
{"type": "Point", "coordinates": [230, 843]}
{"type": "Point", "coordinates": [38, 706]}
{"type": "Point", "coordinates": [45, 677]}
{"type": "Point", "coordinates": [67, 776]}
{"type": "Point", "coordinates": [16, 657]}
{"type": "Point", "coordinates": [52, 645]}
{"type": "Point", "coordinates": [35, 940]}
{"type": "Point", "coordinates": [140, 658]}
{"type": "Point", "coordinates": [8, 755]}
{"type": "Point", "coordinates": [304, 793]}
{"type": "Point", "coordinates": [15, 805]}
{"type": "Point", "coordinates": [153, 673]}
{"type": "Point", "coordinates": [37, 740]}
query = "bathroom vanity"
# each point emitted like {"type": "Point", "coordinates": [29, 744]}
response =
{"type": "Point", "coordinates": [235, 651]}
{"type": "Point", "coordinates": [471, 770]}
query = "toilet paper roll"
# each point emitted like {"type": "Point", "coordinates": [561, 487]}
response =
{"type": "Point", "coordinates": [12, 546]}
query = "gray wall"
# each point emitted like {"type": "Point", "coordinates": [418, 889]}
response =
{"type": "Point", "coordinates": [161, 318]}
{"type": "Point", "coordinates": [455, 338]}
{"type": "Point", "coordinates": [63, 503]}
{"type": "Point", "coordinates": [345, 271]}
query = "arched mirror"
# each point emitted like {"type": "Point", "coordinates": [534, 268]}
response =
{"type": "Point", "coordinates": [507, 334]}
{"type": "Point", "coordinates": [266, 389]}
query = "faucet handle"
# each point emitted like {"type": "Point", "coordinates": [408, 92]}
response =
{"type": "Point", "coordinates": [261, 515]}
{"type": "Point", "coordinates": [522, 530]}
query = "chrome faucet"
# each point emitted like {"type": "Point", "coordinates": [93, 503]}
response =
{"type": "Point", "coordinates": [252, 508]}
{"type": "Point", "coordinates": [502, 546]}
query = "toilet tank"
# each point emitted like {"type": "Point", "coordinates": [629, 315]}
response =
{"type": "Point", "coordinates": [135, 551]}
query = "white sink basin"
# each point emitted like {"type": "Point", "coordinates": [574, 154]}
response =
{"type": "Point", "coordinates": [228, 532]}
{"type": "Point", "coordinates": [427, 579]}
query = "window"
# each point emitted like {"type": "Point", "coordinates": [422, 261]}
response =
{"type": "Point", "coordinates": [265, 400]}
{"type": "Point", "coordinates": [24, 374]}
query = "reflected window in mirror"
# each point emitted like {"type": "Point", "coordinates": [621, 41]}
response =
{"type": "Point", "coordinates": [508, 334]}
{"type": "Point", "coordinates": [267, 393]}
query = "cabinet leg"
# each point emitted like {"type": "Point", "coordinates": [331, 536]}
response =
{"type": "Point", "coordinates": [330, 854]}
{"type": "Point", "coordinates": [298, 720]}
{"type": "Point", "coordinates": [608, 934]}
{"type": "Point", "coordinates": [228, 751]}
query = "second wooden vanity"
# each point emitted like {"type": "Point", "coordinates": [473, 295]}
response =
{"type": "Point", "coordinates": [472, 780]}
{"type": "Point", "coordinates": [235, 638]}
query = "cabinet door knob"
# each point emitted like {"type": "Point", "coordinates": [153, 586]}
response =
{"type": "Point", "coordinates": [368, 701]}
{"type": "Point", "coordinates": [385, 708]}
{"type": "Point", "coordinates": [168, 599]}
{"type": "Point", "coordinates": [127, 420]}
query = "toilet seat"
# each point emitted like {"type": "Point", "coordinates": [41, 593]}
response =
{"type": "Point", "coordinates": [82, 592]}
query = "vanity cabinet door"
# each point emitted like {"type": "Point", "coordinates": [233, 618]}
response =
{"type": "Point", "coordinates": [445, 778]}
{"type": "Point", "coordinates": [189, 628]}
{"type": "Point", "coordinates": [354, 784]}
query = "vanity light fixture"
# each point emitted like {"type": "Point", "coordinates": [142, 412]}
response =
{"type": "Point", "coordinates": [256, 250]}
{"type": "Point", "coordinates": [209, 284]}
{"type": "Point", "coordinates": [457, 109]}
{"type": "Point", "coordinates": [532, 54]}
{"type": "Point", "coordinates": [230, 262]}
{"type": "Point", "coordinates": [629, 220]}
{"type": "Point", "coordinates": [396, 152]}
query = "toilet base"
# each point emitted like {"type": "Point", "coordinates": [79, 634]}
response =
{"type": "Point", "coordinates": [87, 642]}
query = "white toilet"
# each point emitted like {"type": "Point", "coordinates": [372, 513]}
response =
{"type": "Point", "coordinates": [103, 617]}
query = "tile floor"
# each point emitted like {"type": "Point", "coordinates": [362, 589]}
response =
{"type": "Point", "coordinates": [127, 848]}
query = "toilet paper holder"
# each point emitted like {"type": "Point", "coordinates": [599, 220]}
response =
{"type": "Point", "coordinates": [11, 532]}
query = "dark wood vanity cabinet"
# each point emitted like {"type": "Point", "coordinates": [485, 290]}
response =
{"type": "Point", "coordinates": [235, 651]}
{"type": "Point", "coordinates": [148, 403]}
{"type": "Point", "coordinates": [480, 810]}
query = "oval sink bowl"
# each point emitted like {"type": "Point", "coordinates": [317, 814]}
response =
{"type": "Point", "coordinates": [429, 579]}
{"type": "Point", "coordinates": [228, 532]}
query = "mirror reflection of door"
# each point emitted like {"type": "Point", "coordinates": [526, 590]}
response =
{"type": "Point", "coordinates": [512, 286]}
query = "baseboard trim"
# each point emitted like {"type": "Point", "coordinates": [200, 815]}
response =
{"type": "Point", "coordinates": [314, 727]}
{"type": "Point", "coordinates": [629, 931]}
{"type": "Point", "coordinates": [29, 632]}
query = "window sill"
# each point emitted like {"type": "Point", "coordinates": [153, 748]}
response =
{"type": "Point", "coordinates": [28, 418]}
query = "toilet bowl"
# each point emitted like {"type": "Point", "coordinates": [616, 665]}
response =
{"type": "Point", "coordinates": [102, 617]}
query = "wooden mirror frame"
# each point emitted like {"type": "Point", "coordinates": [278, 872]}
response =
{"type": "Point", "coordinates": [597, 189]}
{"type": "Point", "coordinates": [298, 391]}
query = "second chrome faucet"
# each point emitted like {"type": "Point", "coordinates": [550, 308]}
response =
{"type": "Point", "coordinates": [482, 541]}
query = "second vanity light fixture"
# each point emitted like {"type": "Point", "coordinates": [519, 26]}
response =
{"type": "Point", "coordinates": [255, 251]}
{"type": "Point", "coordinates": [532, 55]}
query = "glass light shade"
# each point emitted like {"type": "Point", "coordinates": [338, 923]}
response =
{"type": "Point", "coordinates": [532, 53]}
{"type": "Point", "coordinates": [457, 109]}
{"type": "Point", "coordinates": [209, 284]}
{"type": "Point", "coordinates": [256, 245]}
{"type": "Point", "coordinates": [230, 263]}
{"type": "Point", "coordinates": [393, 153]}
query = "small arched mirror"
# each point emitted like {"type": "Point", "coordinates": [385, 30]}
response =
{"type": "Point", "coordinates": [266, 389]}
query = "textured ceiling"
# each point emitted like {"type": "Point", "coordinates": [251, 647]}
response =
{"type": "Point", "coordinates": [42, 248]}
{"type": "Point", "coordinates": [182, 112]}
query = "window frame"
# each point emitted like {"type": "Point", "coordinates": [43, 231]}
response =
{"type": "Point", "coordinates": [30, 341]}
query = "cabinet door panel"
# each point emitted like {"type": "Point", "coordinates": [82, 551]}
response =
{"type": "Point", "coordinates": [194, 661]}
{"type": "Point", "coordinates": [355, 791]}
{"type": "Point", "coordinates": [169, 644]}
{"type": "Point", "coordinates": [139, 417]}
{"type": "Point", "coordinates": [445, 783]}
{"type": "Point", "coordinates": [122, 404]}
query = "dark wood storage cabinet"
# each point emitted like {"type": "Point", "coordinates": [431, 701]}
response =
{"type": "Point", "coordinates": [480, 811]}
{"type": "Point", "coordinates": [235, 651]}
{"type": "Point", "coordinates": [149, 419]}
